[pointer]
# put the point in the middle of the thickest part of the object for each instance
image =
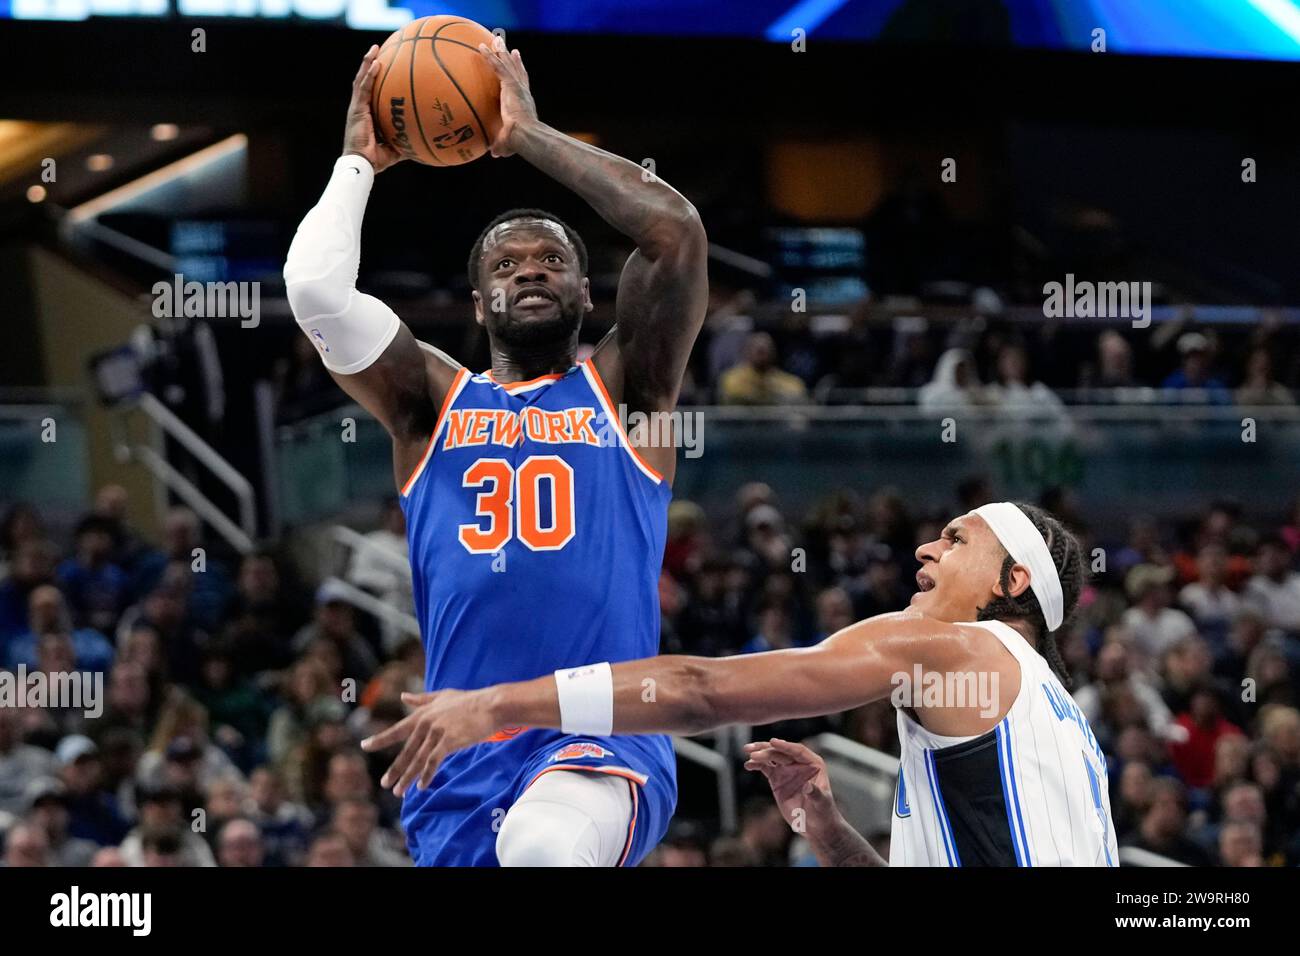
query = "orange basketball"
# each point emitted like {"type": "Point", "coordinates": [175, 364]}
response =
{"type": "Point", "coordinates": [436, 100]}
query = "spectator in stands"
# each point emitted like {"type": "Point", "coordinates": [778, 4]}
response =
{"type": "Point", "coordinates": [335, 622]}
{"type": "Point", "coordinates": [208, 581]}
{"type": "Point", "coordinates": [1129, 804]}
{"type": "Point", "coordinates": [775, 629]}
{"type": "Point", "coordinates": [239, 844]}
{"type": "Point", "coordinates": [1212, 604]}
{"type": "Point", "coordinates": [357, 821]}
{"type": "Point", "coordinates": [764, 831]}
{"type": "Point", "coordinates": [21, 523]}
{"type": "Point", "coordinates": [731, 852]}
{"type": "Point", "coordinates": [97, 588]}
{"type": "Point", "coordinates": [1205, 725]}
{"type": "Point", "coordinates": [1154, 625]}
{"type": "Point", "coordinates": [21, 764]}
{"type": "Point", "coordinates": [834, 612]}
{"type": "Point", "coordinates": [32, 566]}
{"type": "Point", "coordinates": [111, 504]}
{"type": "Point", "coordinates": [1274, 591]}
{"type": "Point", "coordinates": [1270, 671]}
{"type": "Point", "coordinates": [1013, 391]}
{"type": "Point", "coordinates": [180, 749]}
{"type": "Point", "coordinates": [1113, 367]}
{"type": "Point", "coordinates": [1185, 667]}
{"type": "Point", "coordinates": [94, 812]}
{"type": "Point", "coordinates": [1259, 386]}
{"type": "Point", "coordinates": [1195, 372]}
{"type": "Point", "coordinates": [1113, 673]}
{"type": "Point", "coordinates": [1243, 803]}
{"type": "Point", "coordinates": [1162, 830]}
{"type": "Point", "coordinates": [26, 845]}
{"type": "Point", "coordinates": [264, 615]}
{"type": "Point", "coordinates": [712, 622]}
{"type": "Point", "coordinates": [727, 326]}
{"type": "Point", "coordinates": [330, 849]}
{"type": "Point", "coordinates": [47, 613]}
{"type": "Point", "coordinates": [163, 831]}
{"type": "Point", "coordinates": [1240, 844]}
{"type": "Point", "coordinates": [164, 611]}
{"type": "Point", "coordinates": [224, 799]}
{"type": "Point", "coordinates": [954, 386]}
{"type": "Point", "coordinates": [236, 709]}
{"type": "Point", "coordinates": [308, 682]}
{"type": "Point", "coordinates": [758, 380]}
{"type": "Point", "coordinates": [380, 567]}
{"type": "Point", "coordinates": [881, 588]}
{"type": "Point", "coordinates": [283, 824]}
{"type": "Point", "coordinates": [48, 810]}
{"type": "Point", "coordinates": [687, 538]}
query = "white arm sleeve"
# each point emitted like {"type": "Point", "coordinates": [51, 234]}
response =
{"type": "Point", "coordinates": [349, 328]}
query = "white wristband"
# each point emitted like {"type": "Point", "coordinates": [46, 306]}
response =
{"type": "Point", "coordinates": [586, 696]}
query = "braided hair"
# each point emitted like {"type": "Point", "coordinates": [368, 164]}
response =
{"type": "Point", "coordinates": [1067, 555]}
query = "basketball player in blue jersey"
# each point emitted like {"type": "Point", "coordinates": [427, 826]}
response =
{"type": "Point", "coordinates": [536, 526]}
{"type": "Point", "coordinates": [1012, 778]}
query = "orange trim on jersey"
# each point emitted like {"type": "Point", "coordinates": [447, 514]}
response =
{"type": "Point", "coordinates": [609, 406]}
{"type": "Point", "coordinates": [633, 779]}
{"type": "Point", "coordinates": [437, 427]}
{"type": "Point", "coordinates": [631, 827]}
{"type": "Point", "coordinates": [553, 376]}
{"type": "Point", "coordinates": [507, 733]}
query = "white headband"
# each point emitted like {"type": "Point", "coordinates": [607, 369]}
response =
{"type": "Point", "coordinates": [1027, 547]}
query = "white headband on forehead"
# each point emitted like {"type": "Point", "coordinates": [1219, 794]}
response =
{"type": "Point", "coordinates": [1027, 547]}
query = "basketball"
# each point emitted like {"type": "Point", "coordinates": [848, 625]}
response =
{"type": "Point", "coordinates": [436, 99]}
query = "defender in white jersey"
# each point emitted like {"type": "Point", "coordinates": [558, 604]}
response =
{"type": "Point", "coordinates": [999, 766]}
{"type": "Point", "coordinates": [1030, 792]}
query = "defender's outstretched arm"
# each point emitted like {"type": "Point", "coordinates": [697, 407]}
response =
{"type": "Point", "coordinates": [680, 694]}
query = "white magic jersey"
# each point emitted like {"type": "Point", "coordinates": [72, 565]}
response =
{"type": "Point", "coordinates": [1030, 792]}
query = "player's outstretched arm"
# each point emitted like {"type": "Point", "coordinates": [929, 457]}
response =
{"type": "Point", "coordinates": [802, 789]}
{"type": "Point", "coordinates": [366, 348]}
{"type": "Point", "coordinates": [679, 694]}
{"type": "Point", "coordinates": [663, 292]}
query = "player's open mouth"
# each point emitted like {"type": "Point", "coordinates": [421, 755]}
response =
{"type": "Point", "coordinates": [924, 582]}
{"type": "Point", "coordinates": [533, 297]}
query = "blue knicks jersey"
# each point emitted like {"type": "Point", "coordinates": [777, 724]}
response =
{"type": "Point", "coordinates": [536, 541]}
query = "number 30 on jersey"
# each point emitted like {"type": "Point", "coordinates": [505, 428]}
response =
{"type": "Point", "coordinates": [510, 503]}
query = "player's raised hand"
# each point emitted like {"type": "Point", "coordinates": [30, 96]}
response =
{"type": "Point", "coordinates": [798, 780]}
{"type": "Point", "coordinates": [441, 723]}
{"type": "Point", "coordinates": [517, 105]}
{"type": "Point", "coordinates": [359, 137]}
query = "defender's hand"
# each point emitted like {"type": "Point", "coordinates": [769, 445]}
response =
{"type": "Point", "coordinates": [798, 780]}
{"type": "Point", "coordinates": [441, 723]}
{"type": "Point", "coordinates": [517, 105]}
{"type": "Point", "coordinates": [359, 137]}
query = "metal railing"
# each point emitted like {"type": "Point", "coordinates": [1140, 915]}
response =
{"type": "Point", "coordinates": [719, 759]}
{"type": "Point", "coordinates": [239, 534]}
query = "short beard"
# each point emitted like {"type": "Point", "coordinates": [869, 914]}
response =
{"type": "Point", "coordinates": [537, 333]}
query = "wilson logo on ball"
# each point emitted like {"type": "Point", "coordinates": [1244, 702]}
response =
{"type": "Point", "coordinates": [397, 117]}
